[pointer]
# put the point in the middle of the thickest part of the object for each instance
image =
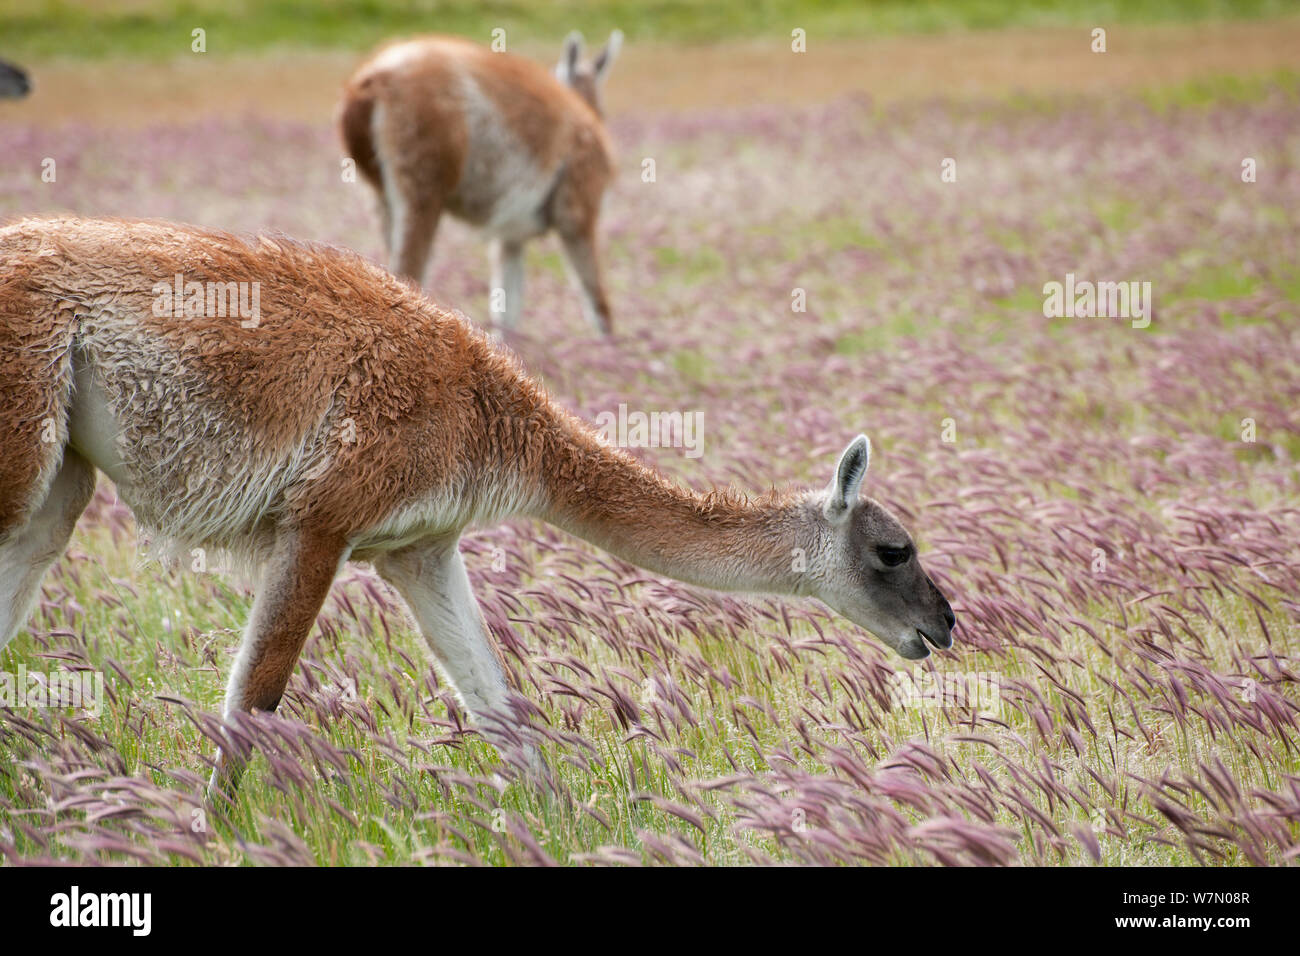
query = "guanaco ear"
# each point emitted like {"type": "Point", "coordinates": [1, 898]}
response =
{"type": "Point", "coordinates": [843, 490]}
{"type": "Point", "coordinates": [600, 66]}
{"type": "Point", "coordinates": [567, 68]}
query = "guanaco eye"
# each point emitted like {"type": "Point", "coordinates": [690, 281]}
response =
{"type": "Point", "coordinates": [892, 557]}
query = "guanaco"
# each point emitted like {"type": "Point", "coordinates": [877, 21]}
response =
{"type": "Point", "coordinates": [439, 124]}
{"type": "Point", "coordinates": [299, 407]}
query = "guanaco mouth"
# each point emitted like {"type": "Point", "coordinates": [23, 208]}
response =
{"type": "Point", "coordinates": [930, 640]}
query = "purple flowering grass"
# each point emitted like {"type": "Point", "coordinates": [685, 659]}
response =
{"type": "Point", "coordinates": [1121, 549]}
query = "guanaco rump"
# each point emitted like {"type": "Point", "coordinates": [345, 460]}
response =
{"type": "Point", "coordinates": [14, 84]}
{"type": "Point", "coordinates": [351, 418]}
{"type": "Point", "coordinates": [439, 124]}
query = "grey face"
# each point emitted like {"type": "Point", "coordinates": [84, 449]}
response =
{"type": "Point", "coordinates": [896, 594]}
{"type": "Point", "coordinates": [586, 79]}
{"type": "Point", "coordinates": [13, 82]}
{"type": "Point", "coordinates": [873, 573]}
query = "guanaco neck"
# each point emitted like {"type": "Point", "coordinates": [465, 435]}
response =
{"type": "Point", "coordinates": [720, 540]}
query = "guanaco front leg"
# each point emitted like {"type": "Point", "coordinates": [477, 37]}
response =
{"type": "Point", "coordinates": [507, 292]}
{"type": "Point", "coordinates": [295, 581]}
{"type": "Point", "coordinates": [580, 250]}
{"type": "Point", "coordinates": [431, 578]}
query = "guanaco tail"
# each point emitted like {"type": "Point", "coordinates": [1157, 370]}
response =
{"type": "Point", "coordinates": [298, 407]}
{"type": "Point", "coordinates": [442, 125]}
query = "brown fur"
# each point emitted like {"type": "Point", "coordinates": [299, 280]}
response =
{"type": "Point", "coordinates": [34, 388]}
{"type": "Point", "coordinates": [299, 576]}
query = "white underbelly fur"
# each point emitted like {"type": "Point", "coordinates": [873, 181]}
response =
{"type": "Point", "coordinates": [503, 188]}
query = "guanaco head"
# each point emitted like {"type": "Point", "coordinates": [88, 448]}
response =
{"type": "Point", "coordinates": [867, 567]}
{"type": "Point", "coordinates": [13, 82]}
{"type": "Point", "coordinates": [586, 78]}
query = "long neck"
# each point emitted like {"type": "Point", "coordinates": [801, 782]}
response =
{"type": "Point", "coordinates": [720, 540]}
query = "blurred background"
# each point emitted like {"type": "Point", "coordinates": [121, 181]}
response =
{"type": "Point", "coordinates": [128, 61]}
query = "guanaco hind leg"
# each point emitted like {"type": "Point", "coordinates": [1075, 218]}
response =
{"type": "Point", "coordinates": [27, 552]}
{"type": "Point", "coordinates": [414, 222]}
{"type": "Point", "coordinates": [412, 208]}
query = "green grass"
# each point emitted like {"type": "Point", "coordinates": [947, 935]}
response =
{"type": "Point", "coordinates": [1290, 287]}
{"type": "Point", "coordinates": [1224, 282]}
{"type": "Point", "coordinates": [875, 337]}
{"type": "Point", "coordinates": [154, 28]}
{"type": "Point", "coordinates": [1210, 91]}
{"type": "Point", "coordinates": [697, 265]}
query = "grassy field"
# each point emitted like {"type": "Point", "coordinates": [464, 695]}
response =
{"type": "Point", "coordinates": [161, 28]}
{"type": "Point", "coordinates": [1114, 511]}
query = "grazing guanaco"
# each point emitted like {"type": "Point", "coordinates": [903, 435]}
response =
{"type": "Point", "coordinates": [442, 125]}
{"type": "Point", "coordinates": [351, 418]}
